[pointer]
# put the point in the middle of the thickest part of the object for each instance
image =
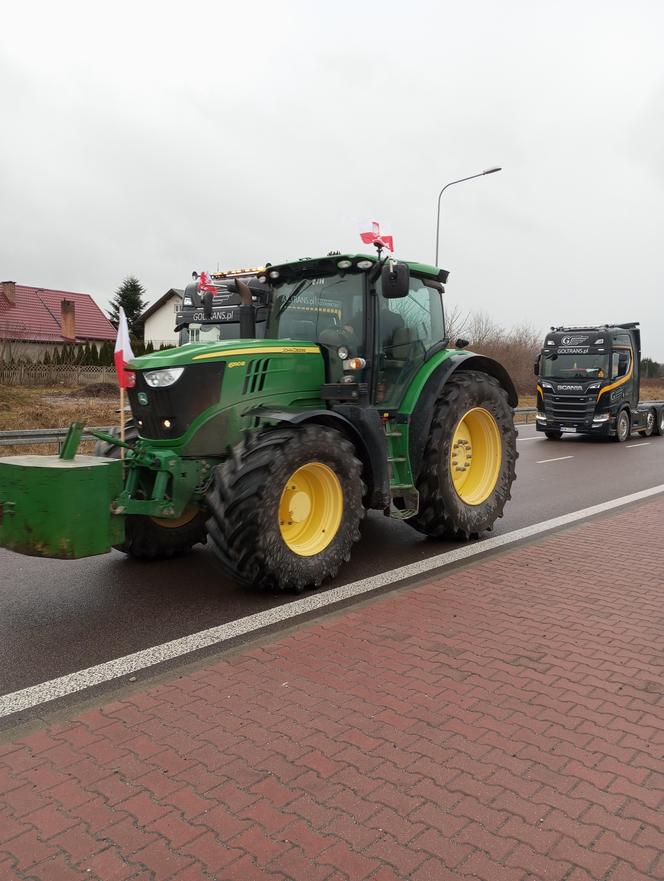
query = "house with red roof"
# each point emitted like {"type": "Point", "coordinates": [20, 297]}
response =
{"type": "Point", "coordinates": [34, 321]}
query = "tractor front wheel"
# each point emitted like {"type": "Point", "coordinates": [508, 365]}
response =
{"type": "Point", "coordinates": [469, 461]}
{"type": "Point", "coordinates": [155, 538]}
{"type": "Point", "coordinates": [286, 507]}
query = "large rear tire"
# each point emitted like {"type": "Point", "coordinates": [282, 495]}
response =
{"type": "Point", "coordinates": [151, 538]}
{"type": "Point", "coordinates": [286, 507]}
{"type": "Point", "coordinates": [469, 461]}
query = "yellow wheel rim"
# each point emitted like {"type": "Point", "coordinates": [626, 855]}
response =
{"type": "Point", "coordinates": [310, 509]}
{"type": "Point", "coordinates": [476, 456]}
{"type": "Point", "coordinates": [185, 517]}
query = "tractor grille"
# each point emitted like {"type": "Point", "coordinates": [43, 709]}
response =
{"type": "Point", "coordinates": [198, 388]}
{"type": "Point", "coordinates": [571, 409]}
{"type": "Point", "coordinates": [254, 378]}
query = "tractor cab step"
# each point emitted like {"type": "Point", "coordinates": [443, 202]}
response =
{"type": "Point", "coordinates": [405, 502]}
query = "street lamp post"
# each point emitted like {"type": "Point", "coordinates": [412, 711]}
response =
{"type": "Point", "coordinates": [451, 183]}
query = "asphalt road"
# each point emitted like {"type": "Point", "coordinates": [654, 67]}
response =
{"type": "Point", "coordinates": [58, 617]}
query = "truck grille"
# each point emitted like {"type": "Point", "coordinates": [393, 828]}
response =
{"type": "Point", "coordinates": [571, 409]}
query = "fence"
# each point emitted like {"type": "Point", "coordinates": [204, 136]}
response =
{"type": "Point", "coordinates": [55, 374]}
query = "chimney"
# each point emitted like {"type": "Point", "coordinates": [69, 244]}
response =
{"type": "Point", "coordinates": [8, 288]}
{"type": "Point", "coordinates": [68, 320]}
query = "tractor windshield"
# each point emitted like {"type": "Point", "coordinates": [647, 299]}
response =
{"type": "Point", "coordinates": [327, 310]}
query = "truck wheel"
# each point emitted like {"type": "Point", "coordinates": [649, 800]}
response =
{"type": "Point", "coordinates": [659, 426]}
{"type": "Point", "coordinates": [286, 507]}
{"type": "Point", "coordinates": [153, 538]}
{"type": "Point", "coordinates": [623, 427]}
{"type": "Point", "coordinates": [468, 465]}
{"type": "Point", "coordinates": [651, 419]}
{"type": "Point", "coordinates": [553, 435]}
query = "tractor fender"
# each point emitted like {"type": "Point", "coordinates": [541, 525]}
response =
{"type": "Point", "coordinates": [362, 427]}
{"type": "Point", "coordinates": [420, 418]}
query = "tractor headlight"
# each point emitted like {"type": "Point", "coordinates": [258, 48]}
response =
{"type": "Point", "coordinates": [163, 378]}
{"type": "Point", "coordinates": [343, 352]}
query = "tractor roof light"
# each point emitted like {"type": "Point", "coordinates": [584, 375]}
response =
{"type": "Point", "coordinates": [364, 264]}
{"type": "Point", "coordinates": [343, 352]}
{"type": "Point", "coordinates": [274, 273]}
{"type": "Point", "coordinates": [344, 264]}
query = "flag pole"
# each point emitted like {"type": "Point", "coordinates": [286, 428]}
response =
{"type": "Point", "coordinates": [122, 420]}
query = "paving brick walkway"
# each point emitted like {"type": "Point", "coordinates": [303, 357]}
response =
{"type": "Point", "coordinates": [504, 722]}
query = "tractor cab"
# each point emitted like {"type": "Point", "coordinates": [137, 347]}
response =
{"type": "Point", "coordinates": [375, 321]}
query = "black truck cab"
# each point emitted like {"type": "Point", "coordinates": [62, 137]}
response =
{"type": "Point", "coordinates": [219, 319]}
{"type": "Point", "coordinates": [589, 383]}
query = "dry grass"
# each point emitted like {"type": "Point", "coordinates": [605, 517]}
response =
{"type": "Point", "coordinates": [22, 408]}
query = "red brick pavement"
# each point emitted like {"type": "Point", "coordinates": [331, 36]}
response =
{"type": "Point", "coordinates": [503, 722]}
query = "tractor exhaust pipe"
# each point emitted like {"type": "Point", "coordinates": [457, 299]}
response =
{"type": "Point", "coordinates": [247, 311]}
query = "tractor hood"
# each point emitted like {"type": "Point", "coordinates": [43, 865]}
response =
{"type": "Point", "coordinates": [205, 353]}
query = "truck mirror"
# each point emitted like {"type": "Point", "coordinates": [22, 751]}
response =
{"type": "Point", "coordinates": [191, 293]}
{"type": "Point", "coordinates": [461, 343]}
{"type": "Point", "coordinates": [395, 278]}
{"type": "Point", "coordinates": [536, 365]}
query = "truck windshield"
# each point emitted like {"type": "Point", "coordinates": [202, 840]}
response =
{"type": "Point", "coordinates": [328, 310]}
{"type": "Point", "coordinates": [587, 366]}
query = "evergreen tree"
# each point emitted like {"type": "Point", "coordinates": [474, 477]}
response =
{"type": "Point", "coordinates": [130, 296]}
{"type": "Point", "coordinates": [46, 359]}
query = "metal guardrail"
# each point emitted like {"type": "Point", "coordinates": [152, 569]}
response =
{"type": "Point", "coordinates": [57, 435]}
{"type": "Point", "coordinates": [42, 436]}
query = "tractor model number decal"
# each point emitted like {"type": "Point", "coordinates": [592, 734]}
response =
{"type": "Point", "coordinates": [236, 364]}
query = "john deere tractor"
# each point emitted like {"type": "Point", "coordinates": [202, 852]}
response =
{"type": "Point", "coordinates": [272, 449]}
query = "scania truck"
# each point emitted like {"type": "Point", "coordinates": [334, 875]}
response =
{"type": "Point", "coordinates": [589, 383]}
{"type": "Point", "coordinates": [212, 315]}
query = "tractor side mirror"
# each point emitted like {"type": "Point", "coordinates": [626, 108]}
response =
{"type": "Point", "coordinates": [461, 343]}
{"type": "Point", "coordinates": [395, 279]}
{"type": "Point", "coordinates": [536, 365]}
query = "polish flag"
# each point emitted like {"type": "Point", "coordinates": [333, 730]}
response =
{"type": "Point", "coordinates": [123, 354]}
{"type": "Point", "coordinates": [371, 235]}
{"type": "Point", "coordinates": [205, 284]}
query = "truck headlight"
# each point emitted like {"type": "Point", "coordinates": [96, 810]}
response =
{"type": "Point", "coordinates": [540, 417]}
{"type": "Point", "coordinates": [163, 378]}
{"type": "Point", "coordinates": [603, 417]}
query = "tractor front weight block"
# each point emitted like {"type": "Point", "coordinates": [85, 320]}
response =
{"type": "Point", "coordinates": [54, 507]}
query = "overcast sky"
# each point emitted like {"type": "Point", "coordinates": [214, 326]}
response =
{"type": "Point", "coordinates": [156, 138]}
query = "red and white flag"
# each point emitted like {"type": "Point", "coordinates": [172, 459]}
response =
{"type": "Point", "coordinates": [205, 283]}
{"type": "Point", "coordinates": [371, 234]}
{"type": "Point", "coordinates": [123, 354]}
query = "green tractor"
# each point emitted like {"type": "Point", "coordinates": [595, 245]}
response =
{"type": "Point", "coordinates": [272, 449]}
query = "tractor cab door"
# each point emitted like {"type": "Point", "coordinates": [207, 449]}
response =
{"type": "Point", "coordinates": [407, 329]}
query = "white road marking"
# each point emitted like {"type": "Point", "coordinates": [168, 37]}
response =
{"type": "Point", "coordinates": [74, 682]}
{"type": "Point", "coordinates": [557, 459]}
{"type": "Point", "coordinates": [642, 444]}
{"type": "Point", "coordinates": [528, 438]}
